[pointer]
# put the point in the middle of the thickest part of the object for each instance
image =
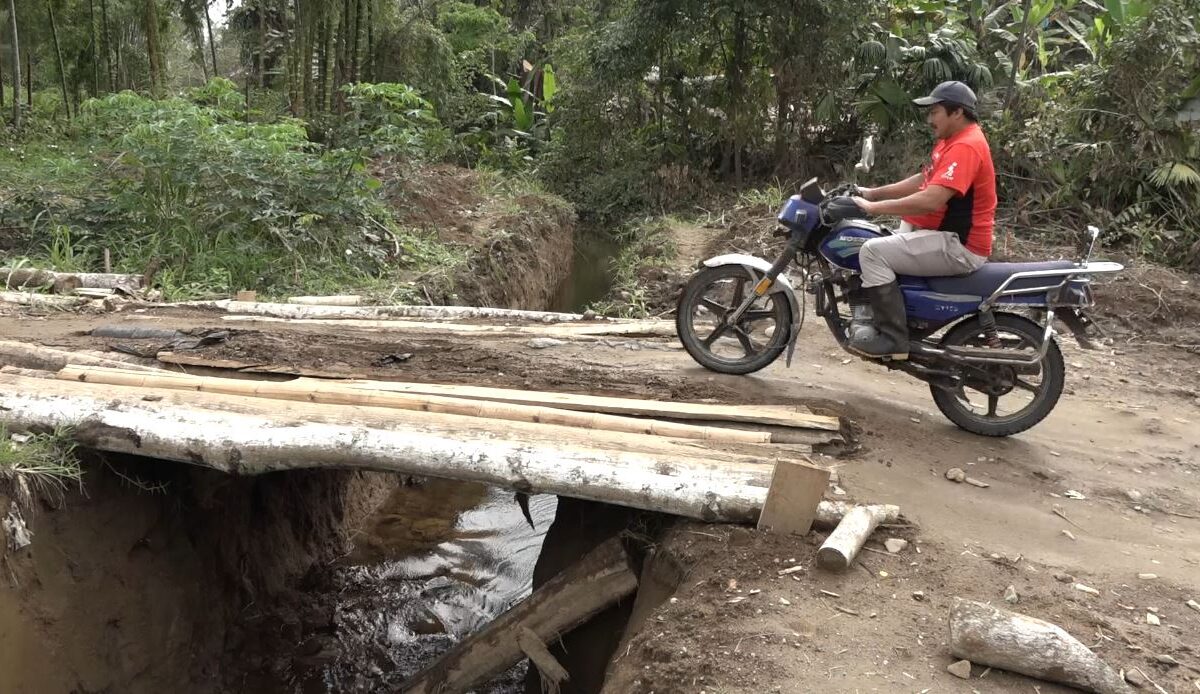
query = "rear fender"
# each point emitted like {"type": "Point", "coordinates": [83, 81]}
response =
{"type": "Point", "coordinates": [782, 285]}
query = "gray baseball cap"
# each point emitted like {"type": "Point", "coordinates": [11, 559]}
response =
{"type": "Point", "coordinates": [955, 93]}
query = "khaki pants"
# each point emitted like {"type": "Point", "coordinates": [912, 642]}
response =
{"type": "Point", "coordinates": [918, 253]}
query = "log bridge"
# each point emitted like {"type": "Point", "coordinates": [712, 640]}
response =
{"type": "Point", "coordinates": [703, 461]}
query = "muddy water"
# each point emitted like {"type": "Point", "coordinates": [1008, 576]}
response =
{"type": "Point", "coordinates": [436, 563]}
{"type": "Point", "coordinates": [591, 271]}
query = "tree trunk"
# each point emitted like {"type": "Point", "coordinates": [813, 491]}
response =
{"type": "Point", "coordinates": [49, 359]}
{"type": "Point", "coordinates": [153, 50]}
{"type": "Point", "coordinates": [62, 71]}
{"type": "Point", "coordinates": [29, 79]}
{"type": "Point", "coordinates": [16, 63]}
{"type": "Point", "coordinates": [340, 74]}
{"type": "Point", "coordinates": [306, 28]}
{"type": "Point", "coordinates": [94, 42]}
{"type": "Point", "coordinates": [106, 34]}
{"type": "Point", "coordinates": [325, 36]}
{"type": "Point", "coordinates": [370, 41]}
{"type": "Point", "coordinates": [358, 20]}
{"type": "Point", "coordinates": [198, 39]}
{"type": "Point", "coordinates": [1018, 51]}
{"type": "Point", "coordinates": [212, 40]}
{"type": "Point", "coordinates": [261, 63]}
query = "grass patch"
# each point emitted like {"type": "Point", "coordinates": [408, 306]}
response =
{"type": "Point", "coordinates": [645, 245]}
{"type": "Point", "coordinates": [45, 462]}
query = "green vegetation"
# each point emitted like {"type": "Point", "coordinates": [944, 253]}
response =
{"type": "Point", "coordinates": [265, 151]}
{"type": "Point", "coordinates": [45, 462]}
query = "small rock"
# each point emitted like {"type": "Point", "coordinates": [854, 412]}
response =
{"type": "Point", "coordinates": [918, 595]}
{"type": "Point", "coordinates": [976, 483]}
{"type": "Point", "coordinates": [1010, 595]}
{"type": "Point", "coordinates": [1086, 589]}
{"type": "Point", "coordinates": [1165, 659]}
{"type": "Point", "coordinates": [544, 342]}
{"type": "Point", "coordinates": [955, 474]}
{"type": "Point", "coordinates": [1135, 678]}
{"type": "Point", "coordinates": [1072, 494]}
{"type": "Point", "coordinates": [589, 315]}
{"type": "Point", "coordinates": [1133, 495]}
{"type": "Point", "coordinates": [1070, 535]}
{"type": "Point", "coordinates": [895, 545]}
{"type": "Point", "coordinates": [1147, 577]}
{"type": "Point", "coordinates": [784, 601]}
{"type": "Point", "coordinates": [1194, 605]}
{"type": "Point", "coordinates": [1064, 578]}
{"type": "Point", "coordinates": [1153, 620]}
{"type": "Point", "coordinates": [961, 669]}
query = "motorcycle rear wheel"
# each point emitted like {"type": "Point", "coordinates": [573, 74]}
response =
{"type": "Point", "coordinates": [700, 321]}
{"type": "Point", "coordinates": [1016, 332]}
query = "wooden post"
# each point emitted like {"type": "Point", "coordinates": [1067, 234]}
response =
{"type": "Point", "coordinates": [791, 505]}
{"type": "Point", "coordinates": [569, 599]}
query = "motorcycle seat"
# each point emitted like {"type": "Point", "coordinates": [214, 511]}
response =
{"type": "Point", "coordinates": [987, 279]}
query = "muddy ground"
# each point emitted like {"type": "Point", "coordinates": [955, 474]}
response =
{"type": "Point", "coordinates": [1124, 436]}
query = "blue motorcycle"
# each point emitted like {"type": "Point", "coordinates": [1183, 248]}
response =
{"type": "Point", "coordinates": [984, 342]}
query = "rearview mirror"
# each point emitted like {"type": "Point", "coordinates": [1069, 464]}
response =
{"type": "Point", "coordinates": [867, 160]}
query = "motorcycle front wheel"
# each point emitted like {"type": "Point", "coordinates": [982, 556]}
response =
{"type": "Point", "coordinates": [999, 399]}
{"type": "Point", "coordinates": [749, 344]}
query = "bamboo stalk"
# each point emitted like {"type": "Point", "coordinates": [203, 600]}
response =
{"type": "Point", "coordinates": [336, 394]}
{"type": "Point", "coordinates": [777, 415]}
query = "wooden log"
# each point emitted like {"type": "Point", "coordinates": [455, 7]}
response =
{"type": "Point", "coordinates": [295, 311]}
{"type": "Point", "coordinates": [31, 278]}
{"type": "Point", "coordinates": [778, 415]}
{"type": "Point", "coordinates": [576, 331]}
{"type": "Point", "coordinates": [42, 300]}
{"type": "Point", "coordinates": [65, 282]}
{"type": "Point", "coordinates": [998, 638]}
{"type": "Point", "coordinates": [344, 300]}
{"type": "Point", "coordinates": [848, 537]}
{"type": "Point", "coordinates": [600, 579]}
{"type": "Point", "coordinates": [334, 394]}
{"type": "Point", "coordinates": [31, 356]}
{"type": "Point", "coordinates": [250, 436]}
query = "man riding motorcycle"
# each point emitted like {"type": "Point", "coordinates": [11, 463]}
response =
{"type": "Point", "coordinates": [948, 212]}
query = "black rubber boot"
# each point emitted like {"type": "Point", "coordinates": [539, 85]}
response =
{"type": "Point", "coordinates": [891, 321]}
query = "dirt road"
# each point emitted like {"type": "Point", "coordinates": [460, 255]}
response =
{"type": "Point", "coordinates": [1125, 437]}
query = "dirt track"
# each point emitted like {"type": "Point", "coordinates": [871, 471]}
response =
{"type": "Point", "coordinates": [1127, 423]}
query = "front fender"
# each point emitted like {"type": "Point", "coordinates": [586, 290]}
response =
{"type": "Point", "coordinates": [782, 285]}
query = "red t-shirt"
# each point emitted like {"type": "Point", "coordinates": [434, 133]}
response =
{"type": "Point", "coordinates": [963, 163]}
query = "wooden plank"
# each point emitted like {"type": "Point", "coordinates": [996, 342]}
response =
{"type": "Point", "coordinates": [564, 331]}
{"type": "Point", "coordinates": [792, 499]}
{"type": "Point", "coordinates": [779, 415]}
{"type": "Point", "coordinates": [333, 393]}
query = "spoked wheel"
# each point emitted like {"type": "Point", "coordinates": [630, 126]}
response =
{"type": "Point", "coordinates": [1002, 399]}
{"type": "Point", "coordinates": [702, 321]}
